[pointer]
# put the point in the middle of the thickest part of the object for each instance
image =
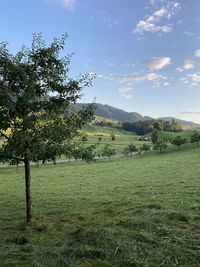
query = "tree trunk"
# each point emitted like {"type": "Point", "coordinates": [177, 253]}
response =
{"type": "Point", "coordinates": [28, 191]}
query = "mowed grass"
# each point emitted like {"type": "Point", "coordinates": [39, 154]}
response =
{"type": "Point", "coordinates": [136, 211]}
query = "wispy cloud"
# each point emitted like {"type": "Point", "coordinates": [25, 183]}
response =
{"type": "Point", "coordinates": [125, 92]}
{"type": "Point", "coordinates": [195, 78]}
{"type": "Point", "coordinates": [192, 79]}
{"type": "Point", "coordinates": [188, 64]}
{"type": "Point", "coordinates": [179, 69]}
{"type": "Point", "coordinates": [108, 63]}
{"type": "Point", "coordinates": [188, 33]}
{"type": "Point", "coordinates": [107, 19]}
{"type": "Point", "coordinates": [152, 23]}
{"type": "Point", "coordinates": [68, 4]}
{"type": "Point", "coordinates": [157, 63]}
{"type": "Point", "coordinates": [157, 80]}
{"type": "Point", "coordinates": [197, 53]}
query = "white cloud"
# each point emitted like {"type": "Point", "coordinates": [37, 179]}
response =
{"type": "Point", "coordinates": [187, 33]}
{"type": "Point", "coordinates": [107, 20]}
{"type": "Point", "coordinates": [192, 79]}
{"type": "Point", "coordinates": [195, 78]}
{"type": "Point", "coordinates": [197, 53]}
{"type": "Point", "coordinates": [124, 89]}
{"type": "Point", "coordinates": [156, 2]}
{"type": "Point", "coordinates": [179, 69]}
{"type": "Point", "coordinates": [128, 64]}
{"type": "Point", "coordinates": [157, 63]}
{"type": "Point", "coordinates": [68, 4]}
{"type": "Point", "coordinates": [125, 92]}
{"type": "Point", "coordinates": [108, 63]}
{"type": "Point", "coordinates": [155, 79]}
{"type": "Point", "coordinates": [166, 84]}
{"type": "Point", "coordinates": [127, 96]}
{"type": "Point", "coordinates": [160, 13]}
{"type": "Point", "coordinates": [146, 26]}
{"type": "Point", "coordinates": [188, 64]}
{"type": "Point", "coordinates": [151, 23]}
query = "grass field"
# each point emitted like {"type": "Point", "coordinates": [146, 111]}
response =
{"type": "Point", "coordinates": [123, 138]}
{"type": "Point", "coordinates": [136, 211]}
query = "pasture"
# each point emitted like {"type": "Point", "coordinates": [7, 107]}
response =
{"type": "Point", "coordinates": [136, 211]}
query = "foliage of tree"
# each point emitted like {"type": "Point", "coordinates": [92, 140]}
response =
{"type": "Point", "coordinates": [84, 137]}
{"type": "Point", "coordinates": [144, 127]}
{"type": "Point", "coordinates": [35, 92]}
{"type": "Point", "coordinates": [113, 136]}
{"type": "Point", "coordinates": [145, 148]}
{"type": "Point", "coordinates": [160, 145]}
{"type": "Point", "coordinates": [132, 148]}
{"type": "Point", "coordinates": [125, 151]}
{"type": "Point", "coordinates": [88, 153]}
{"type": "Point", "coordinates": [154, 136]}
{"type": "Point", "coordinates": [99, 138]}
{"type": "Point", "coordinates": [195, 138]}
{"type": "Point", "coordinates": [157, 125]}
{"type": "Point", "coordinates": [108, 152]}
{"type": "Point", "coordinates": [179, 141]}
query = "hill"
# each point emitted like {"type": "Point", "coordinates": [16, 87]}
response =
{"type": "Point", "coordinates": [186, 123]}
{"type": "Point", "coordinates": [113, 113]}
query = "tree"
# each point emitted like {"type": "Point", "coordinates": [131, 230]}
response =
{"type": "Point", "coordinates": [108, 152]}
{"type": "Point", "coordinates": [179, 141]}
{"type": "Point", "coordinates": [113, 137]}
{"type": "Point", "coordinates": [160, 145]}
{"type": "Point", "coordinates": [88, 153]}
{"type": "Point", "coordinates": [132, 148]}
{"type": "Point", "coordinates": [125, 151]}
{"type": "Point", "coordinates": [195, 138]}
{"type": "Point", "coordinates": [35, 92]}
{"type": "Point", "coordinates": [154, 136]}
{"type": "Point", "coordinates": [84, 137]}
{"type": "Point", "coordinates": [157, 125]}
{"type": "Point", "coordinates": [145, 148]}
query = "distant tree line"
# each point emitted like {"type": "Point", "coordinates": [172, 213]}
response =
{"type": "Point", "coordinates": [144, 127]}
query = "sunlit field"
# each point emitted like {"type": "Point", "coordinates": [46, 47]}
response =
{"type": "Point", "coordinates": [135, 211]}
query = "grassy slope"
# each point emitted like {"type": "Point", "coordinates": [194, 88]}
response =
{"type": "Point", "coordinates": [141, 211]}
{"type": "Point", "coordinates": [172, 135]}
{"type": "Point", "coordinates": [123, 138]}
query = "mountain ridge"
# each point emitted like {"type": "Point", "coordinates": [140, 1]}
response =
{"type": "Point", "coordinates": [110, 112]}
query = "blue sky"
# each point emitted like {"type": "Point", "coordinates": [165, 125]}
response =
{"type": "Point", "coordinates": [145, 53]}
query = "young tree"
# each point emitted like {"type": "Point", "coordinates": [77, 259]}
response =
{"type": "Point", "coordinates": [88, 153]}
{"type": "Point", "coordinates": [160, 145]}
{"type": "Point", "coordinates": [154, 136]}
{"type": "Point", "coordinates": [113, 137]}
{"type": "Point", "coordinates": [179, 141]}
{"type": "Point", "coordinates": [125, 151]}
{"type": "Point", "coordinates": [195, 138]}
{"type": "Point", "coordinates": [145, 148]}
{"type": "Point", "coordinates": [132, 148]}
{"type": "Point", "coordinates": [108, 152]}
{"type": "Point", "coordinates": [35, 92]}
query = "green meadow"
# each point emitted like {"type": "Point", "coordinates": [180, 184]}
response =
{"type": "Point", "coordinates": [134, 211]}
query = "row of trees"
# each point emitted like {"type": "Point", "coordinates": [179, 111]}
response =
{"type": "Point", "coordinates": [89, 153]}
{"type": "Point", "coordinates": [144, 127]}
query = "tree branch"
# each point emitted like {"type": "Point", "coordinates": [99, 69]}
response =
{"type": "Point", "coordinates": [4, 135]}
{"type": "Point", "coordinates": [11, 157]}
